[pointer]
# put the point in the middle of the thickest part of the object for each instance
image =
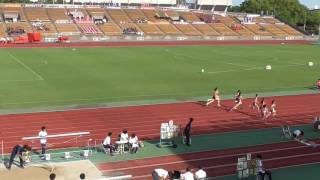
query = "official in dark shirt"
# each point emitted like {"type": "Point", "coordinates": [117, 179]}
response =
{"type": "Point", "coordinates": [18, 150]}
{"type": "Point", "coordinates": [187, 132]}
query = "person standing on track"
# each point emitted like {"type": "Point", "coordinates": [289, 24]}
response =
{"type": "Point", "coordinates": [187, 132]}
{"type": "Point", "coordinates": [261, 170]}
{"type": "Point", "coordinates": [273, 108]}
{"type": "Point", "coordinates": [215, 96]}
{"type": "Point", "coordinates": [43, 141]}
{"type": "Point", "coordinates": [238, 100]}
{"type": "Point", "coordinates": [265, 113]}
{"type": "Point", "coordinates": [20, 151]}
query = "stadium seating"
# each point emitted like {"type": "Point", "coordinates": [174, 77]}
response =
{"type": "Point", "coordinates": [274, 30]}
{"type": "Point", "coordinates": [188, 29]}
{"type": "Point", "coordinates": [173, 15]}
{"type": "Point", "coordinates": [225, 20]}
{"type": "Point", "coordinates": [189, 17]}
{"type": "Point", "coordinates": [150, 29]}
{"type": "Point", "coordinates": [22, 25]}
{"type": "Point", "coordinates": [135, 14]}
{"type": "Point", "coordinates": [289, 30]}
{"type": "Point", "coordinates": [67, 28]}
{"type": "Point", "coordinates": [2, 30]}
{"type": "Point", "coordinates": [88, 29]}
{"type": "Point", "coordinates": [45, 28]}
{"type": "Point", "coordinates": [15, 9]}
{"type": "Point", "coordinates": [258, 30]}
{"type": "Point", "coordinates": [110, 29]}
{"type": "Point", "coordinates": [118, 16]}
{"type": "Point", "coordinates": [205, 29]}
{"type": "Point", "coordinates": [150, 15]}
{"type": "Point", "coordinates": [58, 14]}
{"type": "Point", "coordinates": [271, 20]}
{"type": "Point", "coordinates": [169, 29]}
{"type": "Point", "coordinates": [36, 14]}
{"type": "Point", "coordinates": [242, 30]}
{"type": "Point", "coordinates": [223, 29]}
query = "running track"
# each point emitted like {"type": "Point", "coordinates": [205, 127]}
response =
{"type": "Point", "coordinates": [145, 120]}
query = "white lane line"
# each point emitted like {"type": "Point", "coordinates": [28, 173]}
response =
{"type": "Point", "coordinates": [254, 68]}
{"type": "Point", "coordinates": [218, 157]}
{"type": "Point", "coordinates": [26, 66]}
{"type": "Point", "coordinates": [233, 64]}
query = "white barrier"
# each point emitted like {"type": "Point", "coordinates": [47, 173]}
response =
{"type": "Point", "coordinates": [57, 135]}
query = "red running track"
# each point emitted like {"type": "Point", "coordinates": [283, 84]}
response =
{"type": "Point", "coordinates": [145, 120]}
{"type": "Point", "coordinates": [217, 163]}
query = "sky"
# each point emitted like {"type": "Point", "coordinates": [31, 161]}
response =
{"type": "Point", "coordinates": [308, 3]}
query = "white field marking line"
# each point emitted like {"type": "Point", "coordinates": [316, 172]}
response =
{"type": "Point", "coordinates": [137, 96]}
{"type": "Point", "coordinates": [26, 66]}
{"type": "Point", "coordinates": [233, 164]}
{"type": "Point", "coordinates": [233, 64]}
{"type": "Point", "coordinates": [215, 157]}
{"type": "Point", "coordinates": [253, 68]}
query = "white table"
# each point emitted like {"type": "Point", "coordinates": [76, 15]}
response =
{"type": "Point", "coordinates": [121, 146]}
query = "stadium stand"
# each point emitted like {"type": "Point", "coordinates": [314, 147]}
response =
{"type": "Point", "coordinates": [150, 15]}
{"type": "Point", "coordinates": [241, 30]}
{"type": "Point", "coordinates": [19, 27]}
{"type": "Point", "coordinates": [289, 30]}
{"type": "Point", "coordinates": [118, 16]}
{"type": "Point", "coordinates": [110, 29]}
{"type": "Point", "coordinates": [136, 15]}
{"type": "Point", "coordinates": [189, 17]}
{"type": "Point", "coordinates": [43, 27]}
{"type": "Point", "coordinates": [9, 12]}
{"type": "Point", "coordinates": [56, 14]}
{"type": "Point", "coordinates": [150, 29]}
{"type": "Point", "coordinates": [87, 28]}
{"type": "Point", "coordinates": [169, 29]}
{"type": "Point", "coordinates": [172, 15]}
{"type": "Point", "coordinates": [223, 29]}
{"type": "Point", "coordinates": [205, 29]}
{"type": "Point", "coordinates": [2, 30]}
{"type": "Point", "coordinates": [188, 29]}
{"type": "Point", "coordinates": [274, 30]}
{"type": "Point", "coordinates": [67, 28]}
{"type": "Point", "coordinates": [271, 20]}
{"type": "Point", "coordinates": [36, 14]}
{"type": "Point", "coordinates": [258, 29]}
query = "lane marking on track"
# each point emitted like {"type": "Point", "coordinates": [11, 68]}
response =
{"type": "Point", "coordinates": [219, 157]}
{"type": "Point", "coordinates": [234, 164]}
{"type": "Point", "coordinates": [253, 68]}
{"type": "Point", "coordinates": [17, 60]}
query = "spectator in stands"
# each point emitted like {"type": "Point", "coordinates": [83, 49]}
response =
{"type": "Point", "coordinates": [200, 174]}
{"type": "Point", "coordinates": [52, 176]}
{"type": "Point", "coordinates": [261, 170]}
{"type": "Point", "coordinates": [82, 176]}
{"type": "Point", "coordinates": [107, 143]}
{"type": "Point", "coordinates": [188, 175]}
{"type": "Point", "coordinates": [187, 132]}
{"type": "Point", "coordinates": [298, 134]}
{"type": "Point", "coordinates": [133, 143]}
{"type": "Point", "coordinates": [160, 174]}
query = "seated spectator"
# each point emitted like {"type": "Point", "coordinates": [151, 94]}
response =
{"type": "Point", "coordinates": [134, 143]}
{"type": "Point", "coordinates": [188, 175]}
{"type": "Point", "coordinates": [318, 84]}
{"type": "Point", "coordinates": [124, 135]}
{"type": "Point", "coordinates": [160, 174]}
{"type": "Point", "coordinates": [82, 176]}
{"type": "Point", "coordinates": [200, 174]}
{"type": "Point", "coordinates": [107, 143]}
{"type": "Point", "coordinates": [52, 176]}
{"type": "Point", "coordinates": [261, 171]}
{"type": "Point", "coordinates": [298, 134]}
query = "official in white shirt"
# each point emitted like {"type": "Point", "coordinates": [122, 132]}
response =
{"type": "Point", "coordinates": [124, 135]}
{"type": "Point", "coordinates": [160, 174]}
{"type": "Point", "coordinates": [43, 139]}
{"type": "Point", "coordinates": [200, 174]}
{"type": "Point", "coordinates": [134, 144]}
{"type": "Point", "coordinates": [261, 170]}
{"type": "Point", "coordinates": [107, 143]}
{"type": "Point", "coordinates": [188, 175]}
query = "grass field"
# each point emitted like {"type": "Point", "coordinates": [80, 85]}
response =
{"type": "Point", "coordinates": [47, 77]}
